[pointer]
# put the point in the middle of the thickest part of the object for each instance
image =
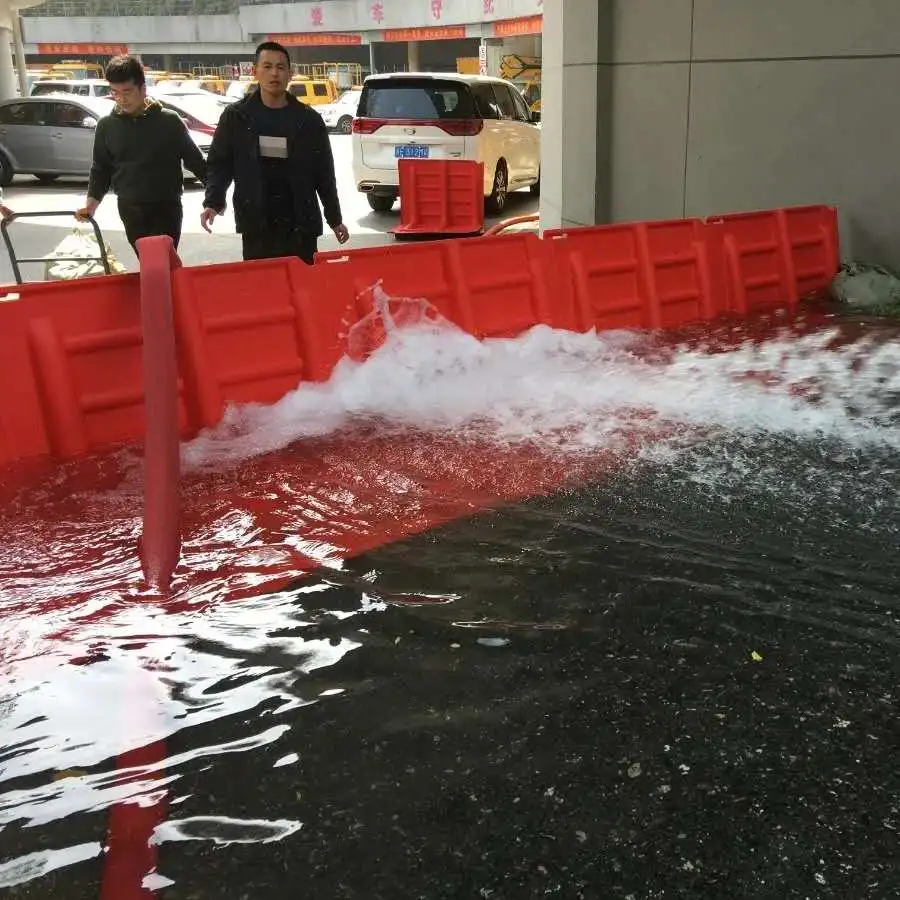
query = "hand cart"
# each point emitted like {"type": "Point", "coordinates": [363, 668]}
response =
{"type": "Point", "coordinates": [15, 261]}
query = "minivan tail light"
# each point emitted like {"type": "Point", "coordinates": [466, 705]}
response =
{"type": "Point", "coordinates": [367, 126]}
{"type": "Point", "coordinates": [454, 127]}
{"type": "Point", "coordinates": [459, 127]}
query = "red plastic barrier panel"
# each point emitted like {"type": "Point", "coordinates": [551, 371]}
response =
{"type": "Point", "coordinates": [72, 349]}
{"type": "Point", "coordinates": [772, 258]}
{"type": "Point", "coordinates": [243, 334]}
{"type": "Point", "coordinates": [160, 546]}
{"type": "Point", "coordinates": [404, 271]}
{"type": "Point", "coordinates": [645, 275]}
{"type": "Point", "coordinates": [504, 284]}
{"type": "Point", "coordinates": [441, 196]}
{"type": "Point", "coordinates": [491, 287]}
{"type": "Point", "coordinates": [814, 244]}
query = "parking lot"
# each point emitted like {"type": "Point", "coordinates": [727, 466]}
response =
{"type": "Point", "coordinates": [27, 195]}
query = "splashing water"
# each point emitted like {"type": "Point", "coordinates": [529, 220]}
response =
{"type": "Point", "coordinates": [573, 392]}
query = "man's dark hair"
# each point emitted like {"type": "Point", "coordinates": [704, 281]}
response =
{"type": "Point", "coordinates": [125, 68]}
{"type": "Point", "coordinates": [273, 47]}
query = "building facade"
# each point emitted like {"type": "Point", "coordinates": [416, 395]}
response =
{"type": "Point", "coordinates": [408, 33]}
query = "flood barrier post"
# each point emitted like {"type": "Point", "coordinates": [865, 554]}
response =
{"type": "Point", "coordinates": [160, 544]}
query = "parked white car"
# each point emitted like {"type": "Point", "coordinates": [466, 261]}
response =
{"type": "Point", "coordinates": [444, 116]}
{"type": "Point", "coordinates": [339, 115]}
{"type": "Point", "coordinates": [78, 87]}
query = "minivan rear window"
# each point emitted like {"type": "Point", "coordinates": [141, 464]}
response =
{"type": "Point", "coordinates": [416, 98]}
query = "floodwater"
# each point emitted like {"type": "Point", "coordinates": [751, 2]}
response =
{"type": "Point", "coordinates": [565, 616]}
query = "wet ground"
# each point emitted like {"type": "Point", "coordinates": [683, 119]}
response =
{"type": "Point", "coordinates": [677, 680]}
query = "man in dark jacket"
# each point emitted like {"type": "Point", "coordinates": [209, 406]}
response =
{"type": "Point", "coordinates": [276, 151]}
{"type": "Point", "coordinates": [139, 149]}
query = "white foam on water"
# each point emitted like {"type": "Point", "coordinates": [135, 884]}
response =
{"type": "Point", "coordinates": [573, 392]}
{"type": "Point", "coordinates": [23, 869]}
{"type": "Point", "coordinates": [224, 830]}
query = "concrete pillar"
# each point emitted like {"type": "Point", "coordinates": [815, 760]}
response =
{"type": "Point", "coordinates": [7, 69]}
{"type": "Point", "coordinates": [494, 51]}
{"type": "Point", "coordinates": [412, 57]}
{"type": "Point", "coordinates": [21, 68]}
{"type": "Point", "coordinates": [372, 69]}
{"type": "Point", "coordinates": [575, 113]}
{"type": "Point", "coordinates": [168, 63]}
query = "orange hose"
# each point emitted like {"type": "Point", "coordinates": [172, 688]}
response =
{"type": "Point", "coordinates": [508, 223]}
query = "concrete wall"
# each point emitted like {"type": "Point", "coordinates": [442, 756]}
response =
{"type": "Point", "coordinates": [709, 106]}
{"type": "Point", "coordinates": [166, 32]}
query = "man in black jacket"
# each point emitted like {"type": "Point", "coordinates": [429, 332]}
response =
{"type": "Point", "coordinates": [276, 151]}
{"type": "Point", "coordinates": [139, 150]}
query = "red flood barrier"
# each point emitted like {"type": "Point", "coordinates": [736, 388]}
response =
{"type": "Point", "coordinates": [647, 275]}
{"type": "Point", "coordinates": [245, 333]}
{"type": "Point", "coordinates": [441, 197]}
{"type": "Point", "coordinates": [250, 332]}
{"type": "Point", "coordinates": [773, 258]}
{"type": "Point", "coordinates": [490, 287]}
{"type": "Point", "coordinates": [73, 352]}
{"type": "Point", "coordinates": [160, 545]}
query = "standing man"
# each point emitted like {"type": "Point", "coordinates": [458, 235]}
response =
{"type": "Point", "coordinates": [139, 149]}
{"type": "Point", "coordinates": [276, 151]}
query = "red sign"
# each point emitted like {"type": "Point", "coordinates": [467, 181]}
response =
{"type": "Point", "coordinates": [318, 39]}
{"type": "Point", "coordinates": [514, 27]}
{"type": "Point", "coordinates": [82, 49]}
{"type": "Point", "coordinates": [438, 33]}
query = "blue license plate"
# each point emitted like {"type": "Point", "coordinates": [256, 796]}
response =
{"type": "Point", "coordinates": [411, 151]}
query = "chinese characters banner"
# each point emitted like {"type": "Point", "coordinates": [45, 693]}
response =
{"type": "Point", "coordinates": [316, 39]}
{"type": "Point", "coordinates": [439, 33]}
{"type": "Point", "coordinates": [85, 49]}
{"type": "Point", "coordinates": [515, 27]}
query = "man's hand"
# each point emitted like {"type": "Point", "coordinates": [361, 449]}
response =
{"type": "Point", "coordinates": [341, 233]}
{"type": "Point", "coordinates": [6, 212]}
{"type": "Point", "coordinates": [207, 217]}
{"type": "Point", "coordinates": [87, 211]}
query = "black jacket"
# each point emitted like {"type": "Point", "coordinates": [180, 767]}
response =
{"type": "Point", "coordinates": [234, 156]}
{"type": "Point", "coordinates": [141, 156]}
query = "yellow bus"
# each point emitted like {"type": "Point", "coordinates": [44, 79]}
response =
{"type": "Point", "coordinates": [71, 69]}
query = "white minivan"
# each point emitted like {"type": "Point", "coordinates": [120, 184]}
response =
{"type": "Point", "coordinates": [444, 116]}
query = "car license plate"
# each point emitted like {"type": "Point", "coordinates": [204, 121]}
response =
{"type": "Point", "coordinates": [411, 151]}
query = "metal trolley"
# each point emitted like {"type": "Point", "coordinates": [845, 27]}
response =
{"type": "Point", "coordinates": [16, 261]}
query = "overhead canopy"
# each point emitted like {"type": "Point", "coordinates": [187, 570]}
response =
{"type": "Point", "coordinates": [9, 10]}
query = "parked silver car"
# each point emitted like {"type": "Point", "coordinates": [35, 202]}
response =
{"type": "Point", "coordinates": [53, 136]}
{"type": "Point", "coordinates": [48, 136]}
